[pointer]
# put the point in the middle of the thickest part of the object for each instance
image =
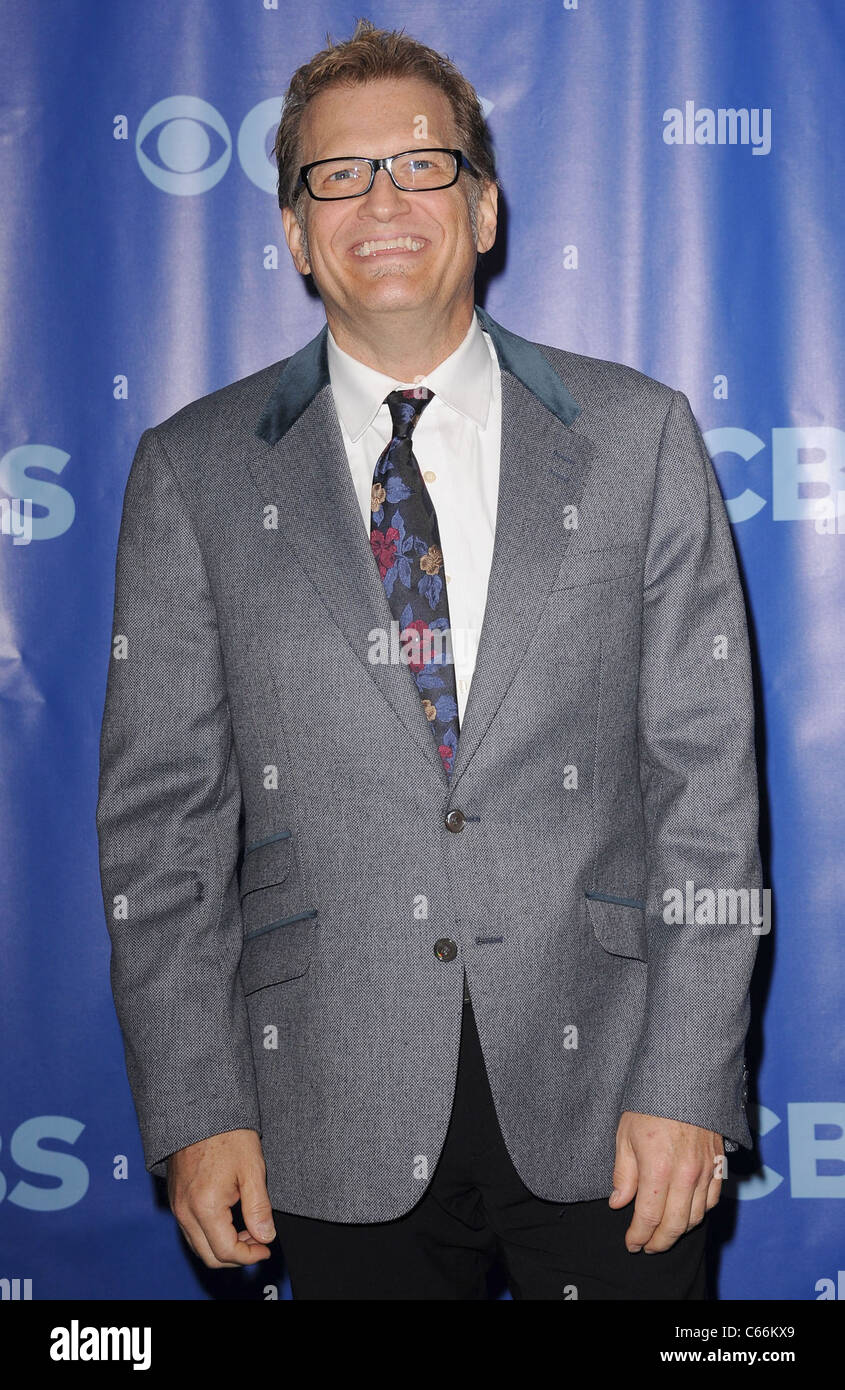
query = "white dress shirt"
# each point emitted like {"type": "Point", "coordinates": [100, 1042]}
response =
{"type": "Point", "coordinates": [456, 442]}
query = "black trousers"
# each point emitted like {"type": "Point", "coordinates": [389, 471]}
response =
{"type": "Point", "coordinates": [476, 1210]}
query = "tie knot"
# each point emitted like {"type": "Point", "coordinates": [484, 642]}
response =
{"type": "Point", "coordinates": [406, 407]}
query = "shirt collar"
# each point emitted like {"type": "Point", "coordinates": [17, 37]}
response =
{"type": "Point", "coordinates": [464, 381]}
{"type": "Point", "coordinates": [306, 373]}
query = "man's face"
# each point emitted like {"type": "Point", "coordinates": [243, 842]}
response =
{"type": "Point", "coordinates": [329, 238]}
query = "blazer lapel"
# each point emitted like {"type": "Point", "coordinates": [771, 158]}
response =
{"type": "Point", "coordinates": [542, 470]}
{"type": "Point", "coordinates": [306, 474]}
{"type": "Point", "coordinates": [304, 471]}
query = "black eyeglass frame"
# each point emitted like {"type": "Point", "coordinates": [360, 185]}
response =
{"type": "Point", "coordinates": [461, 162]}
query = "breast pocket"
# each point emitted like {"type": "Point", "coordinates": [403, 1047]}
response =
{"type": "Point", "coordinates": [581, 566]}
{"type": "Point", "coordinates": [618, 925]}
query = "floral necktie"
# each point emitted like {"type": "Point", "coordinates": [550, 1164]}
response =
{"type": "Point", "coordinates": [405, 541]}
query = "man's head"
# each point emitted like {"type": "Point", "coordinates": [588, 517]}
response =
{"type": "Point", "coordinates": [378, 94]}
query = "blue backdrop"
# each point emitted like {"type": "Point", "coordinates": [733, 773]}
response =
{"type": "Point", "coordinates": [691, 227]}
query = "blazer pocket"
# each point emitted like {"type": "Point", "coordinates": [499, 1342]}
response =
{"type": "Point", "coordinates": [265, 861]}
{"type": "Point", "coordinates": [278, 951]}
{"type": "Point", "coordinates": [591, 566]}
{"type": "Point", "coordinates": [618, 925]}
{"type": "Point", "coordinates": [264, 892]}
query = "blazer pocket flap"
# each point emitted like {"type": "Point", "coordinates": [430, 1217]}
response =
{"type": "Point", "coordinates": [619, 927]}
{"type": "Point", "coordinates": [266, 861]}
{"type": "Point", "coordinates": [280, 951]}
{"type": "Point", "coordinates": [588, 566]}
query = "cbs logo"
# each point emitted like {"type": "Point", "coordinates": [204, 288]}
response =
{"type": "Point", "coordinates": [184, 146]}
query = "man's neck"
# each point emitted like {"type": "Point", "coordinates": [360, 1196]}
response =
{"type": "Point", "coordinates": [400, 345]}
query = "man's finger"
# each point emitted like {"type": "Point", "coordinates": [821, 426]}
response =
{"type": "Point", "coordinates": [698, 1206]}
{"type": "Point", "coordinates": [676, 1216]}
{"type": "Point", "coordinates": [648, 1208]}
{"type": "Point", "coordinates": [219, 1230]}
{"type": "Point", "coordinates": [195, 1236]}
{"type": "Point", "coordinates": [714, 1192]}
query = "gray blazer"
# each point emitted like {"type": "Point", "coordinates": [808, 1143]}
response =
{"type": "Point", "coordinates": [277, 853]}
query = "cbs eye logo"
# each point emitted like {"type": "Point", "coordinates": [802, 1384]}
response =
{"type": "Point", "coordinates": [184, 146]}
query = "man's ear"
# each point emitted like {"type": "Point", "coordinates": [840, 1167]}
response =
{"type": "Point", "coordinates": [293, 237]}
{"type": "Point", "coordinates": [486, 216]}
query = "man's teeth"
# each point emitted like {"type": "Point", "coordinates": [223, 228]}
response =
{"type": "Point", "coordinates": [399, 243]}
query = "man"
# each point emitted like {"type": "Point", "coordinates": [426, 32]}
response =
{"type": "Point", "coordinates": [390, 949]}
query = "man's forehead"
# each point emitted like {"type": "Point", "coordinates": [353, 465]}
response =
{"type": "Point", "coordinates": [406, 109]}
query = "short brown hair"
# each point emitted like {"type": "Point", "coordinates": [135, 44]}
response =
{"type": "Point", "coordinates": [370, 55]}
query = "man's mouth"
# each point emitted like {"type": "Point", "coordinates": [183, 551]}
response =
{"type": "Point", "coordinates": [382, 246]}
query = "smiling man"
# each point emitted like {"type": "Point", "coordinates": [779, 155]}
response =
{"type": "Point", "coordinates": [434, 686]}
{"type": "Point", "coordinates": [395, 273]}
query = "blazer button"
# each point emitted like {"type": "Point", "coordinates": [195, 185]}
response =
{"type": "Point", "coordinates": [444, 949]}
{"type": "Point", "coordinates": [455, 820]}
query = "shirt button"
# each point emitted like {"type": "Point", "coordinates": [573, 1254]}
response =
{"type": "Point", "coordinates": [429, 476]}
{"type": "Point", "coordinates": [444, 949]}
{"type": "Point", "coordinates": [455, 820]}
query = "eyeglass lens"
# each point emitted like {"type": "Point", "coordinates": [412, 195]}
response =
{"type": "Point", "coordinates": [416, 170]}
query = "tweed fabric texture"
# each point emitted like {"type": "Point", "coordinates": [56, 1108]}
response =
{"type": "Point", "coordinates": [267, 972]}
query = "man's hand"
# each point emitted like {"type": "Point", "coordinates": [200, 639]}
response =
{"type": "Point", "coordinates": [204, 1181]}
{"type": "Point", "coordinates": [674, 1170]}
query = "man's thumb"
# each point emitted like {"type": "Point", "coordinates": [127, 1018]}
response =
{"type": "Point", "coordinates": [624, 1180]}
{"type": "Point", "coordinates": [257, 1212]}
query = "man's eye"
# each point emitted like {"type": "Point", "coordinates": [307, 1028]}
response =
{"type": "Point", "coordinates": [342, 174]}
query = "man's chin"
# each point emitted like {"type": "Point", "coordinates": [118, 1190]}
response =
{"type": "Point", "coordinates": [384, 294]}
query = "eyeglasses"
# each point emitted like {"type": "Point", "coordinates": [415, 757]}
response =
{"type": "Point", "coordinates": [412, 171]}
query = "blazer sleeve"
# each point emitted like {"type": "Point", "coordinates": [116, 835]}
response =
{"type": "Point", "coordinates": [168, 825]}
{"type": "Point", "coordinates": [699, 787]}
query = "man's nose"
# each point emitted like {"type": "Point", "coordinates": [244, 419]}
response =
{"type": "Point", "coordinates": [384, 190]}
